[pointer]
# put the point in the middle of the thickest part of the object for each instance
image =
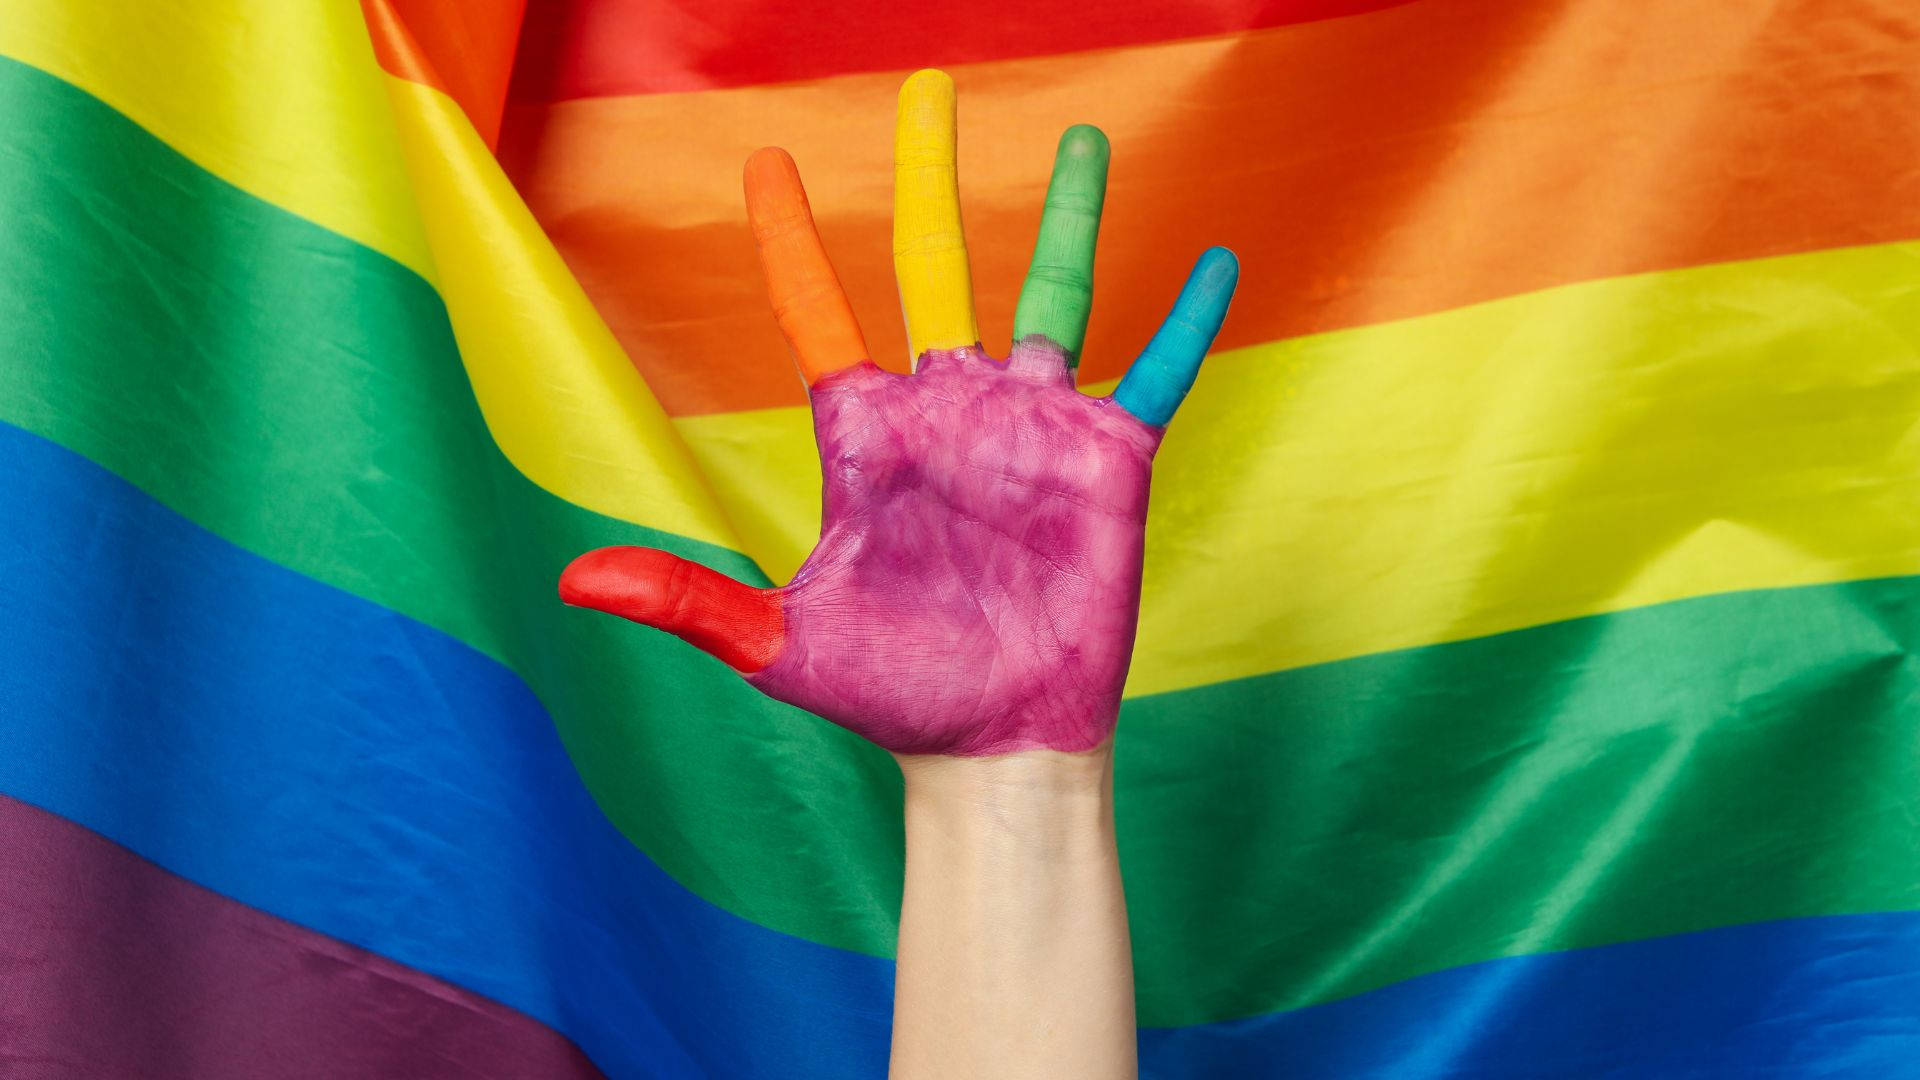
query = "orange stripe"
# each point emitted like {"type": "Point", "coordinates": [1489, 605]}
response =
{"type": "Point", "coordinates": [1367, 169]}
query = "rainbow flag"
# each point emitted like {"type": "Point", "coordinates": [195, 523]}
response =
{"type": "Point", "coordinates": [1528, 680]}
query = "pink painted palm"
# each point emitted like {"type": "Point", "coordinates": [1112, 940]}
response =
{"type": "Point", "coordinates": [977, 581]}
{"type": "Point", "coordinates": [978, 574]}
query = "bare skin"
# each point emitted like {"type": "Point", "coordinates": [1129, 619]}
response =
{"type": "Point", "coordinates": [1014, 959]}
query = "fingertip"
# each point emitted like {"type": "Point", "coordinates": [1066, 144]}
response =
{"type": "Point", "coordinates": [772, 183]}
{"type": "Point", "coordinates": [924, 131]}
{"type": "Point", "coordinates": [768, 163]}
{"type": "Point", "coordinates": [639, 583]}
{"type": "Point", "coordinates": [927, 84]}
{"type": "Point", "coordinates": [1084, 140]}
{"type": "Point", "coordinates": [1217, 266]}
{"type": "Point", "coordinates": [769, 157]}
{"type": "Point", "coordinates": [591, 579]}
{"type": "Point", "coordinates": [1209, 289]}
{"type": "Point", "coordinates": [573, 578]}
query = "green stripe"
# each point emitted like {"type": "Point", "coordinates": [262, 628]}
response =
{"type": "Point", "coordinates": [1708, 762]}
{"type": "Point", "coordinates": [1286, 839]}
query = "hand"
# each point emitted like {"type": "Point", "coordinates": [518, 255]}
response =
{"type": "Point", "coordinates": [976, 585]}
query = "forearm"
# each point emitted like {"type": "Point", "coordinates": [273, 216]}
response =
{"type": "Point", "coordinates": [1014, 958]}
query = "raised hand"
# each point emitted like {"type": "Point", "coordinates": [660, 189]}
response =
{"type": "Point", "coordinates": [976, 585]}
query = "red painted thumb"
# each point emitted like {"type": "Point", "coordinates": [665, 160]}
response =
{"type": "Point", "coordinates": [738, 623]}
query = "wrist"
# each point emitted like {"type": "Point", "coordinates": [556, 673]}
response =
{"type": "Point", "coordinates": [1038, 773]}
{"type": "Point", "coordinates": [1051, 798]}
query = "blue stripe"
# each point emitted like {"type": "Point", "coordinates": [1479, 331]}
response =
{"type": "Point", "coordinates": [1829, 996]}
{"type": "Point", "coordinates": [351, 770]}
{"type": "Point", "coordinates": [338, 765]}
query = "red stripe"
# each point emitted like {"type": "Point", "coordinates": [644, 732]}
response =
{"type": "Point", "coordinates": [602, 48]}
{"type": "Point", "coordinates": [113, 967]}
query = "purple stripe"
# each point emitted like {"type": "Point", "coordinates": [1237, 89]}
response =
{"type": "Point", "coordinates": [113, 967]}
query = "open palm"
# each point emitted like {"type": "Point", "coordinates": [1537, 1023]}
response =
{"type": "Point", "coordinates": [977, 581]}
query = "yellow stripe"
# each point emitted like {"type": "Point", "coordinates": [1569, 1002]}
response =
{"type": "Point", "coordinates": [559, 394]}
{"type": "Point", "coordinates": [276, 99]}
{"type": "Point", "coordinates": [1584, 449]}
{"type": "Point", "coordinates": [287, 102]}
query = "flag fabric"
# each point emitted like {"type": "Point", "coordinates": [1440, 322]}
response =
{"type": "Point", "coordinates": [1528, 680]}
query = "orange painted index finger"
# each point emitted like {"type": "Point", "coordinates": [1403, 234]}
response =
{"type": "Point", "coordinates": [807, 298]}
